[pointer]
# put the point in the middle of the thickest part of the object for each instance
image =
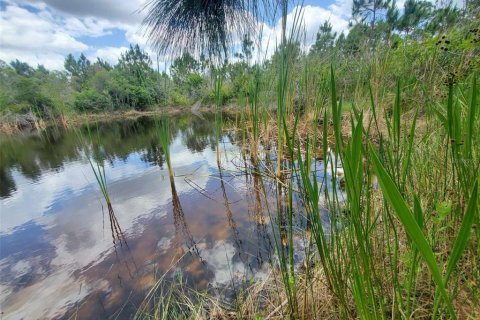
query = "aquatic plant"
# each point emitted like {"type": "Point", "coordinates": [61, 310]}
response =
{"type": "Point", "coordinates": [219, 74]}
{"type": "Point", "coordinates": [163, 131]}
{"type": "Point", "coordinates": [98, 169]}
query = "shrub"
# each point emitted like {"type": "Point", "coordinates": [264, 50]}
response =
{"type": "Point", "coordinates": [142, 98]}
{"type": "Point", "coordinates": [179, 99]}
{"type": "Point", "coordinates": [92, 100]}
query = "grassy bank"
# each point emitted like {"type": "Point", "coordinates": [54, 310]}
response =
{"type": "Point", "coordinates": [395, 120]}
{"type": "Point", "coordinates": [404, 243]}
{"type": "Point", "coordinates": [402, 238]}
{"type": "Point", "coordinates": [16, 123]}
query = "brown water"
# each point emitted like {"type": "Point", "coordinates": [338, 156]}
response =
{"type": "Point", "coordinates": [211, 224]}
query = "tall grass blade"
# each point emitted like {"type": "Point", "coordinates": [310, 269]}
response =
{"type": "Point", "coordinates": [464, 233]}
{"type": "Point", "coordinates": [471, 117]}
{"type": "Point", "coordinates": [408, 156]}
{"type": "Point", "coordinates": [395, 199]}
{"type": "Point", "coordinates": [336, 112]}
{"type": "Point", "coordinates": [461, 240]}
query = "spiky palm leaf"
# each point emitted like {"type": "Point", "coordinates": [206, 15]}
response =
{"type": "Point", "coordinates": [209, 27]}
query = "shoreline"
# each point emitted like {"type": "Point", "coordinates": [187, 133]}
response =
{"type": "Point", "coordinates": [13, 127]}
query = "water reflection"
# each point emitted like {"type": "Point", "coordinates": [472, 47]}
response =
{"type": "Point", "coordinates": [211, 221]}
{"type": "Point", "coordinates": [57, 256]}
{"type": "Point", "coordinates": [51, 149]}
{"type": "Point", "coordinates": [182, 232]}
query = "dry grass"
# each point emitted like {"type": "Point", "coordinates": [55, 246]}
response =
{"type": "Point", "coordinates": [9, 126]}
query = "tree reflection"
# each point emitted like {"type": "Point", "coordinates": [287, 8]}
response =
{"type": "Point", "coordinates": [199, 134]}
{"type": "Point", "coordinates": [231, 221]}
{"type": "Point", "coordinates": [53, 147]}
{"type": "Point", "coordinates": [7, 187]}
{"type": "Point", "coordinates": [182, 232]}
{"type": "Point", "coordinates": [154, 155]}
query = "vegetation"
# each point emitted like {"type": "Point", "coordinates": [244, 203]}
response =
{"type": "Point", "coordinates": [378, 29]}
{"type": "Point", "coordinates": [397, 104]}
{"type": "Point", "coordinates": [392, 108]}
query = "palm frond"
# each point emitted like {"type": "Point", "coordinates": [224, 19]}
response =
{"type": "Point", "coordinates": [208, 27]}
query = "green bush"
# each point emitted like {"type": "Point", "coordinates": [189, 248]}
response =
{"type": "Point", "coordinates": [92, 100]}
{"type": "Point", "coordinates": [29, 92]}
{"type": "Point", "coordinates": [178, 99]}
{"type": "Point", "coordinates": [142, 98]}
{"type": "Point", "coordinates": [6, 100]}
{"type": "Point", "coordinates": [226, 93]}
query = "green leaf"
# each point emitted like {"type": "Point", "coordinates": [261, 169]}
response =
{"type": "Point", "coordinates": [462, 238]}
{"type": "Point", "coordinates": [464, 233]}
{"type": "Point", "coordinates": [471, 117]}
{"type": "Point", "coordinates": [443, 209]}
{"type": "Point", "coordinates": [417, 209]}
{"type": "Point", "coordinates": [395, 199]}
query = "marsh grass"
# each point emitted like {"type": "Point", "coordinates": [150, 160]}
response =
{"type": "Point", "coordinates": [164, 135]}
{"type": "Point", "coordinates": [389, 252]}
{"type": "Point", "coordinates": [403, 235]}
{"type": "Point", "coordinates": [348, 256]}
{"type": "Point", "coordinates": [402, 242]}
{"type": "Point", "coordinates": [98, 169]}
{"type": "Point", "coordinates": [182, 231]}
{"type": "Point", "coordinates": [171, 298]}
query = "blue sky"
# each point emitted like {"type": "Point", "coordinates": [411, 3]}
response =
{"type": "Point", "coordinates": [45, 31]}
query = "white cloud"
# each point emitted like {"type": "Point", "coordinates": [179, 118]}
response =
{"type": "Point", "coordinates": [125, 12]}
{"type": "Point", "coordinates": [109, 54]}
{"type": "Point", "coordinates": [135, 35]}
{"type": "Point", "coordinates": [43, 32]}
{"type": "Point", "coordinates": [50, 60]}
{"type": "Point", "coordinates": [22, 29]}
{"type": "Point", "coordinates": [342, 8]}
{"type": "Point", "coordinates": [87, 26]}
{"type": "Point", "coordinates": [313, 18]}
{"type": "Point", "coordinates": [34, 38]}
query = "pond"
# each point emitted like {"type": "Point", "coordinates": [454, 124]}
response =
{"type": "Point", "coordinates": [59, 252]}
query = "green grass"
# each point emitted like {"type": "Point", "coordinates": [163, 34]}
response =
{"type": "Point", "coordinates": [98, 169]}
{"type": "Point", "coordinates": [372, 264]}
{"type": "Point", "coordinates": [164, 134]}
{"type": "Point", "coordinates": [405, 242]}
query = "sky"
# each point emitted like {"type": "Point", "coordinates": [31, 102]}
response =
{"type": "Point", "coordinates": [45, 31]}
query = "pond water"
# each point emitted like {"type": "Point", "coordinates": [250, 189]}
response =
{"type": "Point", "coordinates": [211, 223]}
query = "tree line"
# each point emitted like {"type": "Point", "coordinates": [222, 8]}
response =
{"type": "Point", "coordinates": [377, 28]}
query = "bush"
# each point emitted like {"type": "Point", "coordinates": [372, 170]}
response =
{"type": "Point", "coordinates": [226, 93]}
{"type": "Point", "coordinates": [142, 98]}
{"type": "Point", "coordinates": [92, 100]}
{"type": "Point", "coordinates": [29, 92]}
{"type": "Point", "coordinates": [178, 99]}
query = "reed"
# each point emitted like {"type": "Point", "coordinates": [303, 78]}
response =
{"type": "Point", "coordinates": [387, 251]}
{"type": "Point", "coordinates": [218, 82]}
{"type": "Point", "coordinates": [391, 248]}
{"type": "Point", "coordinates": [362, 252]}
{"type": "Point", "coordinates": [98, 169]}
{"type": "Point", "coordinates": [164, 134]}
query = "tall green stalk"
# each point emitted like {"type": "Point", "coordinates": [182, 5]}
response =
{"type": "Point", "coordinates": [163, 130]}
